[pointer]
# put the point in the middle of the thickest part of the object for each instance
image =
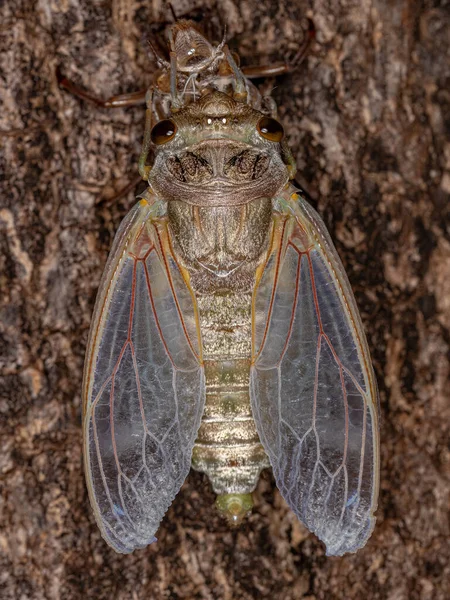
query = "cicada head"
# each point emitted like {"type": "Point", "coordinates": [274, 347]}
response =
{"type": "Point", "coordinates": [218, 152]}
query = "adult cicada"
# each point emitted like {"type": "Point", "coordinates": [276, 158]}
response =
{"type": "Point", "coordinates": [225, 334]}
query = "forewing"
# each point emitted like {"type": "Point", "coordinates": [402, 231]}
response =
{"type": "Point", "coordinates": [143, 387]}
{"type": "Point", "coordinates": [313, 391]}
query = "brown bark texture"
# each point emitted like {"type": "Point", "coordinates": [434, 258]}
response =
{"type": "Point", "coordinates": [367, 117]}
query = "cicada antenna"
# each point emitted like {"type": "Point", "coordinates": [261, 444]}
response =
{"type": "Point", "coordinates": [306, 46]}
{"type": "Point", "coordinates": [172, 10]}
{"type": "Point", "coordinates": [160, 60]}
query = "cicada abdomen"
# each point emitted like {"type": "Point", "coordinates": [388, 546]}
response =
{"type": "Point", "coordinates": [225, 334]}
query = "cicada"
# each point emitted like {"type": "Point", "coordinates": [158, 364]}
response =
{"type": "Point", "coordinates": [225, 335]}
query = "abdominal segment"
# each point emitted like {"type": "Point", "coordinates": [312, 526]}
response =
{"type": "Point", "coordinates": [227, 448]}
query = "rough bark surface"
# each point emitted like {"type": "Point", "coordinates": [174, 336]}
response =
{"type": "Point", "coordinates": [367, 118]}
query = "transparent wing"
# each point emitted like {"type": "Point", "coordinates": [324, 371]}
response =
{"type": "Point", "coordinates": [143, 386]}
{"type": "Point", "coordinates": [313, 391]}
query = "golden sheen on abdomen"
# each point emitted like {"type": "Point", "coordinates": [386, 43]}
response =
{"type": "Point", "coordinates": [228, 449]}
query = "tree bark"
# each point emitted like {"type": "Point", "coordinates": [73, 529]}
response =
{"type": "Point", "coordinates": [366, 115]}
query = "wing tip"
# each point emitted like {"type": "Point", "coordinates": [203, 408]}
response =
{"type": "Point", "coordinates": [128, 546]}
{"type": "Point", "coordinates": [339, 545]}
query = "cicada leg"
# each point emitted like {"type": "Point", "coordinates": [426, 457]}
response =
{"type": "Point", "coordinates": [129, 187]}
{"type": "Point", "coordinates": [119, 101]}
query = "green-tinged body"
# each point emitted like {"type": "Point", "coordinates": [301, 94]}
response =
{"type": "Point", "coordinates": [225, 333]}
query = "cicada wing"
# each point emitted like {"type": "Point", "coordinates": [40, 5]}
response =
{"type": "Point", "coordinates": [313, 392]}
{"type": "Point", "coordinates": [144, 387]}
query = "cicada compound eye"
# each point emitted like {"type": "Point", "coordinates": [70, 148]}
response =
{"type": "Point", "coordinates": [163, 132]}
{"type": "Point", "coordinates": [270, 129]}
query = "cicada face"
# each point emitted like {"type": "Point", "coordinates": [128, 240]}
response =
{"type": "Point", "coordinates": [217, 155]}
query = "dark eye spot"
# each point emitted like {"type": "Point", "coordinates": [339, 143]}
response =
{"type": "Point", "coordinates": [189, 167]}
{"type": "Point", "coordinates": [246, 165]}
{"type": "Point", "coordinates": [193, 164]}
{"type": "Point", "coordinates": [260, 166]}
{"type": "Point", "coordinates": [163, 132]}
{"type": "Point", "coordinates": [244, 162]}
{"type": "Point", "coordinates": [176, 168]}
{"type": "Point", "coordinates": [270, 129]}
